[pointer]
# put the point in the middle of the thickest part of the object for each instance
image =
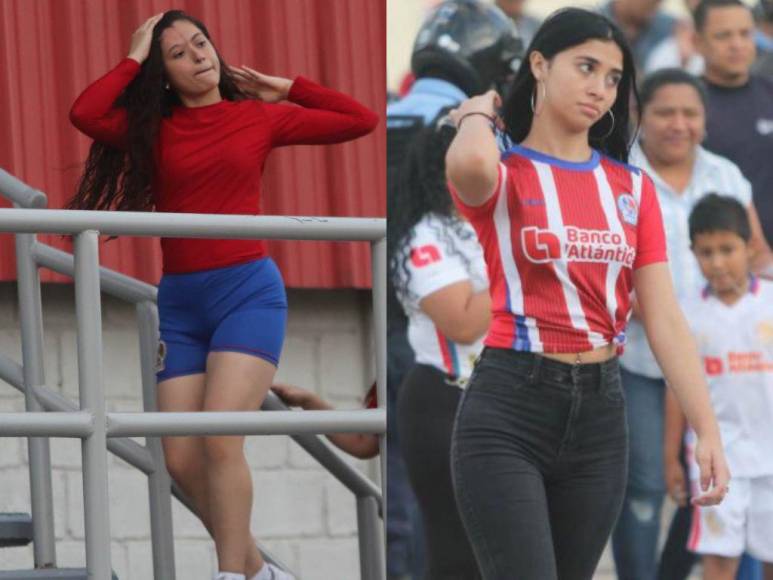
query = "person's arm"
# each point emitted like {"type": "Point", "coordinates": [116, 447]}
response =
{"type": "Point", "coordinates": [93, 112]}
{"type": "Point", "coordinates": [472, 160]}
{"type": "Point", "coordinates": [459, 313]}
{"type": "Point", "coordinates": [324, 115]}
{"type": "Point", "coordinates": [676, 482]}
{"type": "Point", "coordinates": [675, 350]}
{"type": "Point", "coordinates": [762, 257]}
{"type": "Point", "coordinates": [360, 445]}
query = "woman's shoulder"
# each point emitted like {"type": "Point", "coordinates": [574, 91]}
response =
{"type": "Point", "coordinates": [718, 162]}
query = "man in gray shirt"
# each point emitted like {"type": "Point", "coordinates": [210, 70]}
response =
{"type": "Point", "coordinates": [739, 110]}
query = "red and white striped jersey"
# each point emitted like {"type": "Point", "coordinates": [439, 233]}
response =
{"type": "Point", "coordinates": [561, 240]}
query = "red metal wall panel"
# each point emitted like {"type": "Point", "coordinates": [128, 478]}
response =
{"type": "Point", "coordinates": [51, 50]}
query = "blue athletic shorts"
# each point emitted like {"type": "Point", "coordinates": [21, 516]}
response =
{"type": "Point", "coordinates": [241, 308]}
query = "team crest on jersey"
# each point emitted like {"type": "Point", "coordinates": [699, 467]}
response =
{"type": "Point", "coordinates": [628, 210]}
{"type": "Point", "coordinates": [765, 333]}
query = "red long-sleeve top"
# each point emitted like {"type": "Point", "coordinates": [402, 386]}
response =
{"type": "Point", "coordinates": [210, 159]}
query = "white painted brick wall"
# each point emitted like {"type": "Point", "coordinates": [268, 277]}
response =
{"type": "Point", "coordinates": [301, 514]}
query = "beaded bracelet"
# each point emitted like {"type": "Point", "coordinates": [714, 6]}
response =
{"type": "Point", "coordinates": [482, 114]}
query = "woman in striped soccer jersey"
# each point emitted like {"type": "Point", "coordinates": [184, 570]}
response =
{"type": "Point", "coordinates": [440, 279]}
{"type": "Point", "coordinates": [176, 130]}
{"type": "Point", "coordinates": [569, 231]}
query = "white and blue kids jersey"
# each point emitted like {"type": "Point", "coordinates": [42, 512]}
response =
{"type": "Point", "coordinates": [443, 251]}
{"type": "Point", "coordinates": [736, 344]}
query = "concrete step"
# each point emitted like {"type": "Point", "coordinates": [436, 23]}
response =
{"type": "Point", "coordinates": [15, 529]}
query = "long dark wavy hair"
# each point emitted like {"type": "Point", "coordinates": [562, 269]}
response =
{"type": "Point", "coordinates": [417, 189]}
{"type": "Point", "coordinates": [562, 30]}
{"type": "Point", "coordinates": [121, 179]}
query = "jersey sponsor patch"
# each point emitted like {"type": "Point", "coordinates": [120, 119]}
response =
{"type": "Point", "coordinates": [579, 245]}
{"type": "Point", "coordinates": [713, 365]}
{"type": "Point", "coordinates": [425, 255]}
{"type": "Point", "coordinates": [626, 204]}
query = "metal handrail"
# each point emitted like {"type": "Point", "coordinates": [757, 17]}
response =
{"type": "Point", "coordinates": [108, 431]}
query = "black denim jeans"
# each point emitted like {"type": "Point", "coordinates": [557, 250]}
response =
{"type": "Point", "coordinates": [539, 457]}
{"type": "Point", "coordinates": [425, 417]}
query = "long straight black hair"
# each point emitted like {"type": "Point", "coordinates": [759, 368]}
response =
{"type": "Point", "coordinates": [563, 30]}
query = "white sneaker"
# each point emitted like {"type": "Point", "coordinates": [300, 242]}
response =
{"type": "Point", "coordinates": [228, 576]}
{"type": "Point", "coordinates": [277, 574]}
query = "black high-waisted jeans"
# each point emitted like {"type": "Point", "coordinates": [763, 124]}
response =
{"type": "Point", "coordinates": [539, 459]}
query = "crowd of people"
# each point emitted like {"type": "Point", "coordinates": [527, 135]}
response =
{"type": "Point", "coordinates": [581, 322]}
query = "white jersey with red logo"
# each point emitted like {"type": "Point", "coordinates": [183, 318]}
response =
{"type": "Point", "coordinates": [443, 251]}
{"type": "Point", "coordinates": [736, 343]}
{"type": "Point", "coordinates": [561, 241]}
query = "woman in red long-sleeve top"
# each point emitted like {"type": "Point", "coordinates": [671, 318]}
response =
{"type": "Point", "coordinates": [176, 130]}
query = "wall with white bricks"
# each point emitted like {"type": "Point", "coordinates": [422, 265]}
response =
{"type": "Point", "coordinates": [301, 514]}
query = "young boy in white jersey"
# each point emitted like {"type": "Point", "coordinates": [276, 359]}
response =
{"type": "Point", "coordinates": [732, 321]}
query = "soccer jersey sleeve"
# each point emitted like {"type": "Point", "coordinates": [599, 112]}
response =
{"type": "Point", "coordinates": [476, 212]}
{"type": "Point", "coordinates": [94, 112]}
{"type": "Point", "coordinates": [324, 116]}
{"type": "Point", "coordinates": [432, 264]}
{"type": "Point", "coordinates": [650, 235]}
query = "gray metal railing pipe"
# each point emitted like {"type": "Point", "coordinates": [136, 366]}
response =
{"type": "Point", "coordinates": [379, 268]}
{"type": "Point", "coordinates": [372, 562]}
{"type": "Point", "coordinates": [112, 282]}
{"type": "Point", "coordinates": [103, 426]}
{"type": "Point", "coordinates": [19, 192]}
{"type": "Point", "coordinates": [159, 482]}
{"type": "Point", "coordinates": [130, 451]}
{"type": "Point", "coordinates": [88, 318]}
{"type": "Point", "coordinates": [315, 446]}
{"type": "Point", "coordinates": [192, 225]}
{"type": "Point", "coordinates": [245, 423]}
{"type": "Point", "coordinates": [45, 424]}
{"type": "Point", "coordinates": [33, 373]}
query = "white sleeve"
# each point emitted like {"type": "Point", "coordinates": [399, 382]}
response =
{"type": "Point", "coordinates": [432, 264]}
{"type": "Point", "coordinates": [739, 186]}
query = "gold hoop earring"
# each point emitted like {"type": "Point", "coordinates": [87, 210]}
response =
{"type": "Point", "coordinates": [612, 128]}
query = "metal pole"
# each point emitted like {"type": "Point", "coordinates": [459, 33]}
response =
{"type": "Point", "coordinates": [379, 265]}
{"type": "Point", "coordinates": [39, 452]}
{"type": "Point", "coordinates": [88, 312]}
{"type": "Point", "coordinates": [20, 193]}
{"type": "Point", "coordinates": [328, 457]}
{"type": "Point", "coordinates": [159, 482]}
{"type": "Point", "coordinates": [372, 560]}
{"type": "Point", "coordinates": [245, 423]}
{"type": "Point", "coordinates": [192, 225]}
{"type": "Point", "coordinates": [78, 424]}
{"type": "Point", "coordinates": [111, 282]}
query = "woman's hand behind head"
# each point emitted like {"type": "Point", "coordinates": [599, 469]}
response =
{"type": "Point", "coordinates": [259, 86]}
{"type": "Point", "coordinates": [140, 43]}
